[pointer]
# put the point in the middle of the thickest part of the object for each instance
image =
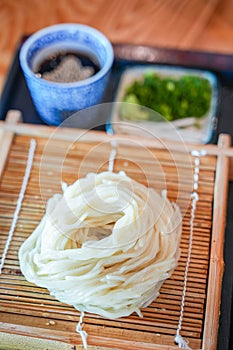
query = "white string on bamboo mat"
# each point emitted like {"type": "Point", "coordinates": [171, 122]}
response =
{"type": "Point", "coordinates": [80, 330]}
{"type": "Point", "coordinates": [27, 173]}
{"type": "Point", "coordinates": [179, 340]}
{"type": "Point", "coordinates": [112, 156]}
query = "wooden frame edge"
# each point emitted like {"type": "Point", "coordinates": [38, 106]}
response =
{"type": "Point", "coordinates": [6, 138]}
{"type": "Point", "coordinates": [216, 266]}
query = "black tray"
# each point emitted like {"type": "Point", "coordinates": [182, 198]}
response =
{"type": "Point", "coordinates": [15, 95]}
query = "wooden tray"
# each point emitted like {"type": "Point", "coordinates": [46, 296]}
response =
{"type": "Point", "coordinates": [33, 319]}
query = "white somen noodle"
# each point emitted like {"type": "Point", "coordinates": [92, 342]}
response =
{"type": "Point", "coordinates": [105, 245]}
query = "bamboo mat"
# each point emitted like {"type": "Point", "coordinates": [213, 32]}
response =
{"type": "Point", "coordinates": [28, 310]}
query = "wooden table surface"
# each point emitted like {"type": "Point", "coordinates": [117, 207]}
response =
{"type": "Point", "coordinates": [190, 24]}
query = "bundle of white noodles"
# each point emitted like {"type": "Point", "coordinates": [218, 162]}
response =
{"type": "Point", "coordinates": [105, 246]}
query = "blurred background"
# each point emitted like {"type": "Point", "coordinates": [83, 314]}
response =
{"type": "Point", "coordinates": [188, 24]}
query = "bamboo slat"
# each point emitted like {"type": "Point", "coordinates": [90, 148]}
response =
{"type": "Point", "coordinates": [32, 313]}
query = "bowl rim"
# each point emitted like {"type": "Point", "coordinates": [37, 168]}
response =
{"type": "Point", "coordinates": [70, 27]}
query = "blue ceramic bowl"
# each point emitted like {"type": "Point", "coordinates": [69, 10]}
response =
{"type": "Point", "coordinates": [55, 101]}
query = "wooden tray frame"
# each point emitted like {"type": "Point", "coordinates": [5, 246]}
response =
{"type": "Point", "coordinates": [223, 152]}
